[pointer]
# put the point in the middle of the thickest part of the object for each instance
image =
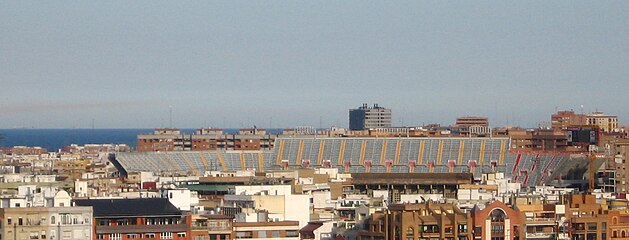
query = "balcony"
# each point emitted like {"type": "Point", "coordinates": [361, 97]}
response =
{"type": "Point", "coordinates": [541, 221]}
{"type": "Point", "coordinates": [141, 228]}
{"type": "Point", "coordinates": [540, 235]}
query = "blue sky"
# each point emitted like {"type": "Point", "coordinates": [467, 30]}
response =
{"type": "Point", "coordinates": [294, 63]}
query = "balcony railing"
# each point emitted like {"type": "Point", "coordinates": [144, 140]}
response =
{"type": "Point", "coordinates": [550, 220]}
{"type": "Point", "coordinates": [141, 228]}
{"type": "Point", "coordinates": [544, 235]}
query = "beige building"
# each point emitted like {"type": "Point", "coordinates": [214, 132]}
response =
{"type": "Point", "coordinates": [607, 123]}
{"type": "Point", "coordinates": [588, 218]}
{"type": "Point", "coordinates": [418, 221]}
{"type": "Point", "coordinates": [288, 230]}
{"type": "Point", "coordinates": [68, 223]}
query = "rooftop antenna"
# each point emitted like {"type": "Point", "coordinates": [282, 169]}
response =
{"type": "Point", "coordinates": [507, 119]}
{"type": "Point", "coordinates": [320, 122]}
{"type": "Point", "coordinates": [170, 116]}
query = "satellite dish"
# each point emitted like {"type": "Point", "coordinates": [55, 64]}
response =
{"type": "Point", "coordinates": [562, 220]}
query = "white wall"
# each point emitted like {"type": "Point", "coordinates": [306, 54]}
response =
{"type": "Point", "coordinates": [322, 200]}
{"type": "Point", "coordinates": [297, 208]}
{"type": "Point", "coordinates": [80, 188]}
{"type": "Point", "coordinates": [381, 193]}
{"type": "Point", "coordinates": [266, 189]}
{"type": "Point", "coordinates": [181, 198]}
{"type": "Point", "coordinates": [62, 199]}
{"type": "Point", "coordinates": [26, 190]}
{"type": "Point", "coordinates": [417, 198]}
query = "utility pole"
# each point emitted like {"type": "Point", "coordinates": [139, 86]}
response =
{"type": "Point", "coordinates": [592, 171]}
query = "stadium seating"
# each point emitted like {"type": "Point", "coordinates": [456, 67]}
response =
{"type": "Point", "coordinates": [397, 155]}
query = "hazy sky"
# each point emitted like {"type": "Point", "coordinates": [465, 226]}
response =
{"type": "Point", "coordinates": [294, 63]}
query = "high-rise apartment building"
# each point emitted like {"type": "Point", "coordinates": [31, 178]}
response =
{"type": "Point", "coordinates": [364, 117]}
{"type": "Point", "coordinates": [564, 119]}
{"type": "Point", "coordinates": [473, 126]}
{"type": "Point", "coordinates": [205, 139]}
{"type": "Point", "coordinates": [472, 121]}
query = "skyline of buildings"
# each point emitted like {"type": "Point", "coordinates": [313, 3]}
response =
{"type": "Point", "coordinates": [400, 118]}
{"type": "Point", "coordinates": [461, 181]}
{"type": "Point", "coordinates": [232, 120]}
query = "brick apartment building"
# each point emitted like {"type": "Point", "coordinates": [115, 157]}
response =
{"type": "Point", "coordinates": [418, 221]}
{"type": "Point", "coordinates": [206, 139]}
{"type": "Point", "coordinates": [565, 119]}
{"type": "Point", "coordinates": [588, 219]}
{"type": "Point", "coordinates": [498, 221]}
{"type": "Point", "coordinates": [142, 218]}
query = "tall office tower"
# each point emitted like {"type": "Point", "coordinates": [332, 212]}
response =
{"type": "Point", "coordinates": [365, 117]}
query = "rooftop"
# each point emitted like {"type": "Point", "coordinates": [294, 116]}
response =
{"type": "Point", "coordinates": [130, 207]}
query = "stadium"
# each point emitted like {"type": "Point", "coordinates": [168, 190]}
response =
{"type": "Point", "coordinates": [365, 155]}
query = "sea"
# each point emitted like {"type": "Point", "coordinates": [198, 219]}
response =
{"type": "Point", "coordinates": [54, 139]}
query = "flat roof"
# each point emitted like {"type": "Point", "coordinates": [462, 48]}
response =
{"type": "Point", "coordinates": [411, 178]}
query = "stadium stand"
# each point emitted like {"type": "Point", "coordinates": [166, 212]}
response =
{"type": "Point", "coordinates": [358, 155]}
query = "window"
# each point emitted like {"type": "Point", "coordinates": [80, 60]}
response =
{"type": "Point", "coordinates": [181, 235]}
{"type": "Point", "coordinates": [462, 228]}
{"type": "Point", "coordinates": [166, 235]}
{"type": "Point", "coordinates": [133, 235]}
{"type": "Point", "coordinates": [430, 228]}
{"type": "Point", "coordinates": [292, 233]}
{"type": "Point", "coordinates": [115, 236]}
{"type": "Point", "coordinates": [9, 221]}
{"type": "Point", "coordinates": [246, 234]}
{"type": "Point", "coordinates": [497, 228]}
{"type": "Point", "coordinates": [579, 226]}
{"type": "Point", "coordinates": [149, 235]}
{"type": "Point", "coordinates": [100, 236]}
